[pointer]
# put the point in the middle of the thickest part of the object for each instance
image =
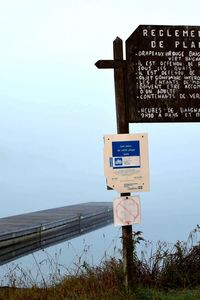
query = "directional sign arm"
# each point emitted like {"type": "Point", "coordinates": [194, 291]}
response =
{"type": "Point", "coordinates": [110, 64]}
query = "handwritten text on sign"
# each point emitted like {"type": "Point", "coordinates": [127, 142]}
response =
{"type": "Point", "coordinates": [163, 74]}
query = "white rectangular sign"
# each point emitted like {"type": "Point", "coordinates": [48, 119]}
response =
{"type": "Point", "coordinates": [126, 162]}
{"type": "Point", "coordinates": [127, 211]}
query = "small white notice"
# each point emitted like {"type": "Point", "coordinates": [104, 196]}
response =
{"type": "Point", "coordinates": [126, 162]}
{"type": "Point", "coordinates": [127, 211]}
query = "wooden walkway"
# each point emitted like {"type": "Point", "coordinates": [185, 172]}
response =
{"type": "Point", "coordinates": [26, 233]}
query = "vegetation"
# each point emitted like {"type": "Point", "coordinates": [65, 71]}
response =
{"type": "Point", "coordinates": [161, 272]}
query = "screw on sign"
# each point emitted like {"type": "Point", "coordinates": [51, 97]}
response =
{"type": "Point", "coordinates": [126, 210]}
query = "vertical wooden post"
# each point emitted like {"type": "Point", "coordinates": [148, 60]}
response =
{"type": "Point", "coordinates": [123, 127]}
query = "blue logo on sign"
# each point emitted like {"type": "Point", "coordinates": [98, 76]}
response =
{"type": "Point", "coordinates": [118, 161]}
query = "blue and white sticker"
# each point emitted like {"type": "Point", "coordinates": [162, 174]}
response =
{"type": "Point", "coordinates": [125, 154]}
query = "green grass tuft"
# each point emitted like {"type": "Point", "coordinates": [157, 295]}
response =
{"type": "Point", "coordinates": [161, 272]}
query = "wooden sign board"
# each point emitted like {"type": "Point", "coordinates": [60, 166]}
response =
{"type": "Point", "coordinates": [126, 164]}
{"type": "Point", "coordinates": [163, 74]}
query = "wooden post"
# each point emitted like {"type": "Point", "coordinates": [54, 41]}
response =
{"type": "Point", "coordinates": [123, 127]}
{"type": "Point", "coordinates": [118, 64]}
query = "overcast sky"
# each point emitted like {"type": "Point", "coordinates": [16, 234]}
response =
{"type": "Point", "coordinates": [55, 106]}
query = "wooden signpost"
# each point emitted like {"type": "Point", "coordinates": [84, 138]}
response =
{"type": "Point", "coordinates": [122, 127]}
{"type": "Point", "coordinates": [158, 82]}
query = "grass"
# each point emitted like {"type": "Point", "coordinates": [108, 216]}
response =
{"type": "Point", "coordinates": [162, 272]}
